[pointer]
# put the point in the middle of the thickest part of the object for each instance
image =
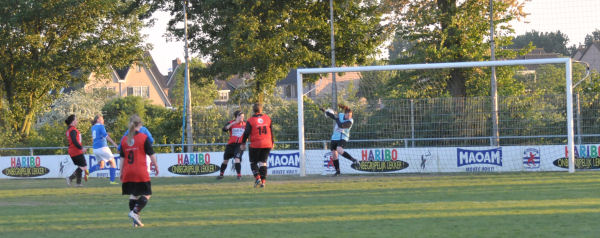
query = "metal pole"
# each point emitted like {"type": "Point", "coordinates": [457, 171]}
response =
{"type": "Point", "coordinates": [333, 82]}
{"type": "Point", "coordinates": [188, 102]}
{"type": "Point", "coordinates": [301, 148]}
{"type": "Point", "coordinates": [579, 130]}
{"type": "Point", "coordinates": [494, 87]}
{"type": "Point", "coordinates": [412, 121]}
{"type": "Point", "coordinates": [570, 132]}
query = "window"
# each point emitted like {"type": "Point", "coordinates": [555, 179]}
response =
{"type": "Point", "coordinates": [223, 95]}
{"type": "Point", "coordinates": [290, 91]}
{"type": "Point", "coordinates": [140, 91]}
{"type": "Point", "coordinates": [104, 91]}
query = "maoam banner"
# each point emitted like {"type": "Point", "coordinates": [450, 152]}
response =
{"type": "Point", "coordinates": [210, 163]}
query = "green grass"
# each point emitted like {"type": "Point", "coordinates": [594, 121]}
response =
{"type": "Point", "coordinates": [457, 205]}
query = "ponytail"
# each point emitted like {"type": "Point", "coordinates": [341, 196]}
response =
{"type": "Point", "coordinates": [96, 118]}
{"type": "Point", "coordinates": [134, 121]}
{"type": "Point", "coordinates": [345, 108]}
{"type": "Point", "coordinates": [70, 119]}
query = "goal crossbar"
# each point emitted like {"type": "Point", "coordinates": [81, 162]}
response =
{"type": "Point", "coordinates": [568, 76]}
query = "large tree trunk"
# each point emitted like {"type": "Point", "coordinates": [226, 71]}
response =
{"type": "Point", "coordinates": [457, 80]}
{"type": "Point", "coordinates": [456, 83]}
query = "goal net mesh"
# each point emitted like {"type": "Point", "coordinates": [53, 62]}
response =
{"type": "Point", "coordinates": [429, 133]}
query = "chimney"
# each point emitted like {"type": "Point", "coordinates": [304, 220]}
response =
{"type": "Point", "coordinates": [175, 63]}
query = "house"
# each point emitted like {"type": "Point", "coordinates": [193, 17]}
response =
{"type": "Point", "coordinates": [140, 79]}
{"type": "Point", "coordinates": [145, 80]}
{"type": "Point", "coordinates": [590, 55]}
{"type": "Point", "coordinates": [318, 89]}
{"type": "Point", "coordinates": [538, 53]}
{"type": "Point", "coordinates": [224, 87]}
{"type": "Point", "coordinates": [227, 87]}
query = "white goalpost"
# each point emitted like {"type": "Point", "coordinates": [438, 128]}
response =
{"type": "Point", "coordinates": [569, 93]}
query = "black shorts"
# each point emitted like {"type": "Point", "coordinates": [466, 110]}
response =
{"type": "Point", "coordinates": [136, 188]}
{"type": "Point", "coordinates": [335, 143]}
{"type": "Point", "coordinates": [259, 154]}
{"type": "Point", "coordinates": [233, 151]}
{"type": "Point", "coordinates": [79, 160]}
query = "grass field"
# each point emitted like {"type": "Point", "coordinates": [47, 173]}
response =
{"type": "Point", "coordinates": [459, 205]}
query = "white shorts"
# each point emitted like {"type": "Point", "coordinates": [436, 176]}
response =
{"type": "Point", "coordinates": [148, 163]}
{"type": "Point", "coordinates": [104, 154]}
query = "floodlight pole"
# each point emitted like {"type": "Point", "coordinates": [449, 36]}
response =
{"type": "Point", "coordinates": [493, 84]}
{"type": "Point", "coordinates": [188, 93]}
{"type": "Point", "coordinates": [333, 82]}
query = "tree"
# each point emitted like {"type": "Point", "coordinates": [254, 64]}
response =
{"type": "Point", "coordinates": [268, 38]}
{"type": "Point", "coordinates": [46, 45]}
{"type": "Point", "coordinates": [373, 84]}
{"type": "Point", "coordinates": [84, 105]}
{"type": "Point", "coordinates": [163, 123]}
{"type": "Point", "coordinates": [452, 31]}
{"type": "Point", "coordinates": [551, 42]}
{"type": "Point", "coordinates": [594, 37]}
{"type": "Point", "coordinates": [203, 89]}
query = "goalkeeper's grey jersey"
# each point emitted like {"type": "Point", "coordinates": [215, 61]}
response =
{"type": "Point", "coordinates": [342, 133]}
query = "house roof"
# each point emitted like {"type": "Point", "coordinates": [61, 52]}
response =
{"type": "Point", "coordinates": [122, 73]}
{"type": "Point", "coordinates": [171, 78]}
{"type": "Point", "coordinates": [596, 44]}
{"type": "Point", "coordinates": [230, 84]}
{"type": "Point", "coordinates": [156, 77]}
{"type": "Point", "coordinates": [222, 84]}
{"type": "Point", "coordinates": [539, 53]}
{"type": "Point", "coordinates": [162, 79]}
{"type": "Point", "coordinates": [290, 78]}
{"type": "Point", "coordinates": [236, 81]}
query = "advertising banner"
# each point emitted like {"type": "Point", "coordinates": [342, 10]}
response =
{"type": "Point", "coordinates": [372, 161]}
{"type": "Point", "coordinates": [53, 166]}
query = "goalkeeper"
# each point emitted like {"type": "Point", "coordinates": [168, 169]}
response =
{"type": "Point", "coordinates": [341, 135]}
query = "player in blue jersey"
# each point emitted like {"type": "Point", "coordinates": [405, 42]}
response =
{"type": "Point", "coordinates": [142, 130]}
{"type": "Point", "coordinates": [101, 151]}
{"type": "Point", "coordinates": [341, 135]}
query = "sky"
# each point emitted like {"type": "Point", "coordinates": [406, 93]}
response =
{"type": "Point", "coordinates": [575, 18]}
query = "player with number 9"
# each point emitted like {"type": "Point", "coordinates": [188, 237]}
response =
{"type": "Point", "coordinates": [135, 177]}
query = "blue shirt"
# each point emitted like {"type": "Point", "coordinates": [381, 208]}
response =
{"type": "Point", "coordinates": [99, 136]}
{"type": "Point", "coordinates": [142, 130]}
{"type": "Point", "coordinates": [341, 133]}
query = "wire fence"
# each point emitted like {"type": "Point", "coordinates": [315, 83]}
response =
{"type": "Point", "coordinates": [432, 122]}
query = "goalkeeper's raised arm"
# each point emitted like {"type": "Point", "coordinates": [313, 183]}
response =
{"type": "Point", "coordinates": [329, 113]}
{"type": "Point", "coordinates": [338, 120]}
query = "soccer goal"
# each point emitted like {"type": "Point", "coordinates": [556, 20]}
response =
{"type": "Point", "coordinates": [437, 134]}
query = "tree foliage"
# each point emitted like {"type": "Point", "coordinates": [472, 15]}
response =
{"type": "Point", "coordinates": [163, 123]}
{"type": "Point", "coordinates": [84, 105]}
{"type": "Point", "coordinates": [450, 31]}
{"type": "Point", "coordinates": [47, 44]}
{"type": "Point", "coordinates": [592, 37]}
{"type": "Point", "coordinates": [204, 90]}
{"type": "Point", "coordinates": [268, 38]}
{"type": "Point", "coordinates": [551, 42]}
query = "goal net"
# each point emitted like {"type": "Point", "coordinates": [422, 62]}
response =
{"type": "Point", "coordinates": [411, 133]}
